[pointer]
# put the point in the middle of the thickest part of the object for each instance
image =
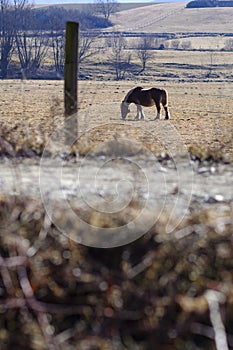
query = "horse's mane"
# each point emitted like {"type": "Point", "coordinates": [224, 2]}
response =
{"type": "Point", "coordinates": [130, 92]}
{"type": "Point", "coordinates": [138, 88]}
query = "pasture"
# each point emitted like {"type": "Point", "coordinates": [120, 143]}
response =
{"type": "Point", "coordinates": [200, 111]}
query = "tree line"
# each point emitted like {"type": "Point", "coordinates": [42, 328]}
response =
{"type": "Point", "coordinates": [27, 33]}
{"type": "Point", "coordinates": [32, 41]}
{"type": "Point", "coordinates": [30, 37]}
{"type": "Point", "coordinates": [209, 3]}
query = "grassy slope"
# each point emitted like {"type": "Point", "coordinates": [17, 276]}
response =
{"type": "Point", "coordinates": [80, 6]}
{"type": "Point", "coordinates": [174, 17]}
{"type": "Point", "coordinates": [167, 17]}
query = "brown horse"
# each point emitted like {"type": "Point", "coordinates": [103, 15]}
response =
{"type": "Point", "coordinates": [145, 97]}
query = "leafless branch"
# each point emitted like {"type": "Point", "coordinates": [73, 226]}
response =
{"type": "Point", "coordinates": [214, 299]}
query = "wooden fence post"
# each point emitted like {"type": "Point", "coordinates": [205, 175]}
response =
{"type": "Point", "coordinates": [71, 81]}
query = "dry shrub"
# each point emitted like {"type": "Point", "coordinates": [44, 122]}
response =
{"type": "Point", "coordinates": [217, 154]}
{"type": "Point", "coordinates": [14, 145]}
{"type": "Point", "coordinates": [56, 294]}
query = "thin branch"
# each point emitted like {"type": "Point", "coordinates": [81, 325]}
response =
{"type": "Point", "coordinates": [13, 261]}
{"type": "Point", "coordinates": [6, 278]}
{"type": "Point", "coordinates": [42, 318]}
{"type": "Point", "coordinates": [213, 299]}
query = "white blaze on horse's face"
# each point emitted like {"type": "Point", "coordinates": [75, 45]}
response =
{"type": "Point", "coordinates": [124, 109]}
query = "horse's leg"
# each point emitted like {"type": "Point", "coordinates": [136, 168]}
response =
{"type": "Point", "coordinates": [167, 114]}
{"type": "Point", "coordinates": [165, 104]}
{"type": "Point", "coordinates": [158, 107]}
{"type": "Point", "coordinates": [138, 113]}
{"type": "Point", "coordinates": [141, 113]}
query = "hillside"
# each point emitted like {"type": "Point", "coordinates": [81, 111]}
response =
{"type": "Point", "coordinates": [174, 17]}
{"type": "Point", "coordinates": [165, 17]}
{"type": "Point", "coordinates": [83, 6]}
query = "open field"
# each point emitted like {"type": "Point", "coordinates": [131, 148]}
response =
{"type": "Point", "coordinates": [174, 17]}
{"type": "Point", "coordinates": [165, 66]}
{"type": "Point", "coordinates": [201, 112]}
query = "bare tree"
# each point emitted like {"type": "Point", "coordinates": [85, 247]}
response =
{"type": "Point", "coordinates": [6, 36]}
{"type": "Point", "coordinates": [32, 49]}
{"type": "Point", "coordinates": [106, 7]}
{"type": "Point", "coordinates": [229, 45]}
{"type": "Point", "coordinates": [57, 38]}
{"type": "Point", "coordinates": [31, 43]}
{"type": "Point", "coordinates": [143, 52]}
{"type": "Point", "coordinates": [119, 59]}
{"type": "Point", "coordinates": [13, 14]}
{"type": "Point", "coordinates": [175, 44]}
{"type": "Point", "coordinates": [86, 49]}
{"type": "Point", "coordinates": [186, 45]}
{"type": "Point", "coordinates": [210, 67]}
{"type": "Point", "coordinates": [86, 46]}
{"type": "Point", "coordinates": [58, 46]}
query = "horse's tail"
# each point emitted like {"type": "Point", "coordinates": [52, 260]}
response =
{"type": "Point", "coordinates": [165, 98]}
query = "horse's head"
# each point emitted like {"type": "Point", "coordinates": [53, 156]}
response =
{"type": "Point", "coordinates": [124, 109]}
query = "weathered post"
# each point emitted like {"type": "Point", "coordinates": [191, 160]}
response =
{"type": "Point", "coordinates": [71, 81]}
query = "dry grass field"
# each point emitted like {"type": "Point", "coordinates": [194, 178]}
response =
{"type": "Point", "coordinates": [201, 112]}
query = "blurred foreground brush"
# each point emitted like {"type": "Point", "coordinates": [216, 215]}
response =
{"type": "Point", "coordinates": [6, 148]}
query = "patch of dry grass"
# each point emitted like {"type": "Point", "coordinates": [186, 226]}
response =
{"type": "Point", "coordinates": [200, 112]}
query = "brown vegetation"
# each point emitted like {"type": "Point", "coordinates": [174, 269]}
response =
{"type": "Point", "coordinates": [200, 112]}
{"type": "Point", "coordinates": [56, 294]}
